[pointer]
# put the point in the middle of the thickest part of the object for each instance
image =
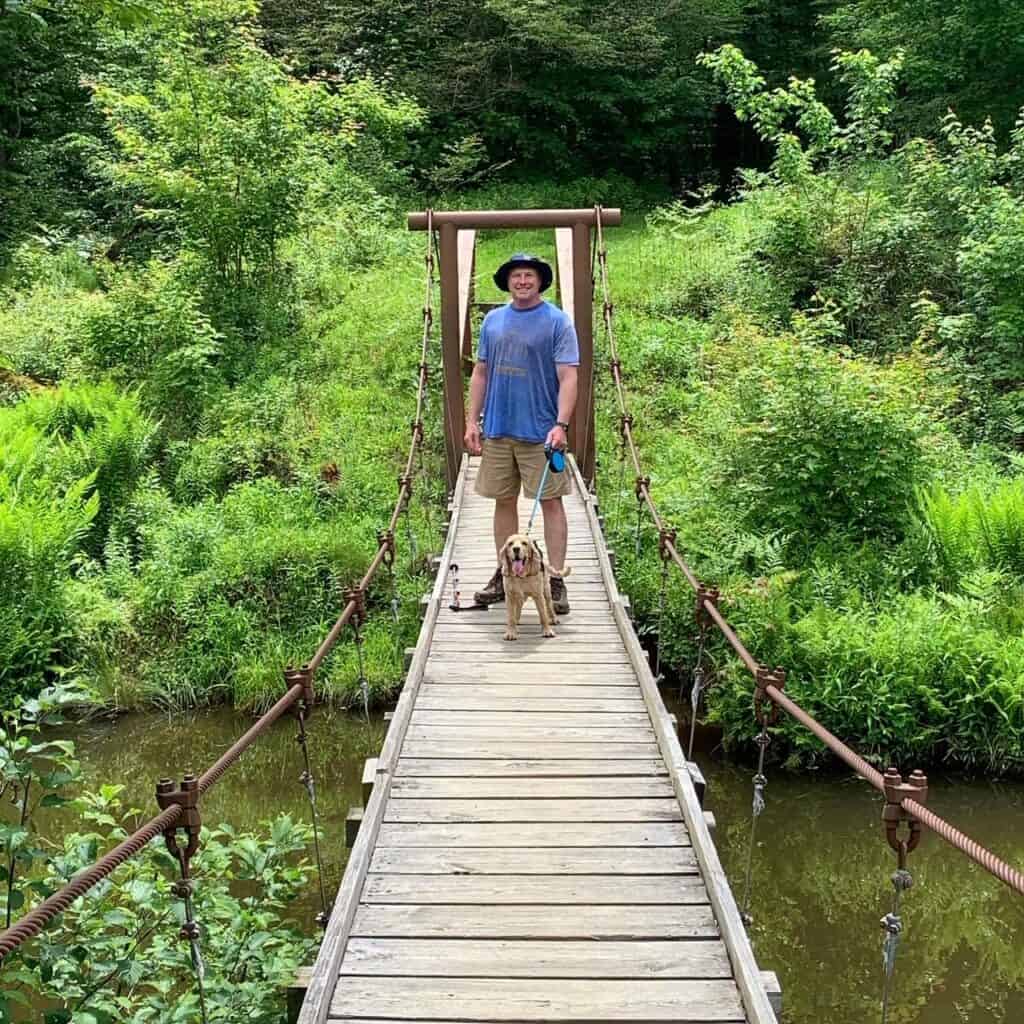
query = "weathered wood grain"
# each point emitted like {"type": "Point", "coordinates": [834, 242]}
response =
{"type": "Point", "coordinates": [528, 810]}
{"type": "Point", "coordinates": [527, 719]}
{"type": "Point", "coordinates": [607, 834]}
{"type": "Point", "coordinates": [505, 749]}
{"type": "Point", "coordinates": [522, 1000]}
{"type": "Point", "coordinates": [418, 921]}
{"type": "Point", "coordinates": [492, 890]}
{"type": "Point", "coordinates": [596, 787]}
{"type": "Point", "coordinates": [518, 958]}
{"type": "Point", "coordinates": [530, 765]}
{"type": "Point", "coordinates": [574, 860]}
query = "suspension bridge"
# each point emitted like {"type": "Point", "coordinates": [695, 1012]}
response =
{"type": "Point", "coordinates": [533, 846]}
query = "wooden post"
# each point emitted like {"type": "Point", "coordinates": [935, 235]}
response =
{"type": "Point", "coordinates": [451, 358]}
{"type": "Point", "coordinates": [581, 437]}
{"type": "Point", "coordinates": [467, 267]}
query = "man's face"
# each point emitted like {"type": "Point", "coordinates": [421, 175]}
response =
{"type": "Point", "coordinates": [524, 284]}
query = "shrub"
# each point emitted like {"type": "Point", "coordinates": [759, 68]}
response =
{"type": "Point", "coordinates": [822, 444]}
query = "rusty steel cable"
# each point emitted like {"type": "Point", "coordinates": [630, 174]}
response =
{"type": "Point", "coordinates": [405, 480]}
{"type": "Point", "coordinates": [32, 923]}
{"type": "Point", "coordinates": [39, 917]}
{"type": "Point", "coordinates": [975, 851]}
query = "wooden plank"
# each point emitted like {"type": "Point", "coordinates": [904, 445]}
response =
{"type": "Point", "coordinates": [325, 971]}
{"type": "Point", "coordinates": [526, 810]}
{"type": "Point", "coordinates": [574, 860]}
{"type": "Point", "coordinates": [594, 787]}
{"type": "Point", "coordinates": [524, 1000]}
{"type": "Point", "coordinates": [526, 719]}
{"type": "Point", "coordinates": [502, 890]}
{"type": "Point", "coordinates": [558, 646]}
{"type": "Point", "coordinates": [504, 672]}
{"type": "Point", "coordinates": [748, 980]}
{"type": "Point", "coordinates": [529, 766]}
{"type": "Point", "coordinates": [517, 705]}
{"type": "Point", "coordinates": [554, 694]}
{"type": "Point", "coordinates": [551, 654]}
{"type": "Point", "coordinates": [418, 921]}
{"type": "Point", "coordinates": [530, 733]}
{"type": "Point", "coordinates": [467, 958]}
{"type": "Point", "coordinates": [633, 833]}
{"type": "Point", "coordinates": [505, 749]}
{"type": "Point", "coordinates": [468, 627]}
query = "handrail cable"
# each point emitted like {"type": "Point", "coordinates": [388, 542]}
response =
{"type": "Point", "coordinates": [707, 605]}
{"type": "Point", "coordinates": [32, 923]}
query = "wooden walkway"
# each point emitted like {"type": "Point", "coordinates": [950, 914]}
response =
{"type": "Point", "coordinates": [533, 849]}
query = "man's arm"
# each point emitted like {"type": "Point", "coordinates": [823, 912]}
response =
{"type": "Point", "coordinates": [477, 393]}
{"type": "Point", "coordinates": [568, 382]}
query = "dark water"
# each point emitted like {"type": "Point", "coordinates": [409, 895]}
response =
{"type": "Point", "coordinates": [821, 864]}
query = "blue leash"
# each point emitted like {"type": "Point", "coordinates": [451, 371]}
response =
{"type": "Point", "coordinates": [555, 461]}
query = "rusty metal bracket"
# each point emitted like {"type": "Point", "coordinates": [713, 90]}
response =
{"type": "Point", "coordinates": [893, 814]}
{"type": "Point", "coordinates": [643, 483]}
{"type": "Point", "coordinates": [304, 677]}
{"type": "Point", "coordinates": [405, 483]}
{"type": "Point", "coordinates": [609, 309]}
{"type": "Point", "coordinates": [626, 419]}
{"type": "Point", "coordinates": [711, 596]}
{"type": "Point", "coordinates": [185, 796]}
{"type": "Point", "coordinates": [666, 538]}
{"type": "Point", "coordinates": [386, 540]}
{"type": "Point", "coordinates": [767, 677]}
{"type": "Point", "coordinates": [358, 595]}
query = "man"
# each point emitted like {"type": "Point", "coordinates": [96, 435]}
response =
{"type": "Point", "coordinates": [524, 383]}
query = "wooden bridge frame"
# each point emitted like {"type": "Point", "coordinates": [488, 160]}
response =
{"type": "Point", "coordinates": [575, 283]}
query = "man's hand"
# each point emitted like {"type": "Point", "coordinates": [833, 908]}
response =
{"type": "Point", "coordinates": [556, 438]}
{"type": "Point", "coordinates": [472, 440]}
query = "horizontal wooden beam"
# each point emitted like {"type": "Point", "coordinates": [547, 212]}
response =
{"type": "Point", "coordinates": [479, 219]}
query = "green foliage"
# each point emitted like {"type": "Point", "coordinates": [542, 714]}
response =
{"type": "Point", "coordinates": [821, 444]}
{"type": "Point", "coordinates": [116, 953]}
{"type": "Point", "coordinates": [980, 528]}
{"type": "Point", "coordinates": [151, 333]}
{"type": "Point", "coordinates": [35, 771]}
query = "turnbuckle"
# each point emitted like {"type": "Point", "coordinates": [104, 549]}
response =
{"type": "Point", "coordinates": [666, 539]}
{"type": "Point", "coordinates": [357, 596]}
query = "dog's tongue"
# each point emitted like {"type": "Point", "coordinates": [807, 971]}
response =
{"type": "Point", "coordinates": [519, 566]}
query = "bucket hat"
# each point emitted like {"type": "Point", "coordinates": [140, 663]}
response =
{"type": "Point", "coordinates": [524, 259]}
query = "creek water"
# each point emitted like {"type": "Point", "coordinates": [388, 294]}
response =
{"type": "Point", "coordinates": [820, 875]}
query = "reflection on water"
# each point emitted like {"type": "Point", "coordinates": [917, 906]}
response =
{"type": "Point", "coordinates": [136, 750]}
{"type": "Point", "coordinates": [821, 868]}
{"type": "Point", "coordinates": [821, 885]}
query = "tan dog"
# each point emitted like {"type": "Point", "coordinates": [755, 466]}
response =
{"type": "Point", "coordinates": [526, 575]}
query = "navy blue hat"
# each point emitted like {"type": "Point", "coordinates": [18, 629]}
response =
{"type": "Point", "coordinates": [524, 259]}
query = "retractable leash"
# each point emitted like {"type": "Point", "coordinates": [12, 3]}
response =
{"type": "Point", "coordinates": [556, 464]}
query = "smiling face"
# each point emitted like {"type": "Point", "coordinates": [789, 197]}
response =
{"type": "Point", "coordinates": [524, 286]}
{"type": "Point", "coordinates": [518, 556]}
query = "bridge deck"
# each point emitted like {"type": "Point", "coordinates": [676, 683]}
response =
{"type": "Point", "coordinates": [533, 849]}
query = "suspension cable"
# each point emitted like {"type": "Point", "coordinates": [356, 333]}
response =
{"type": "Point", "coordinates": [300, 682]}
{"type": "Point", "coordinates": [981, 856]}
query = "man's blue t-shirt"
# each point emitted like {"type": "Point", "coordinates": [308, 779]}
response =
{"type": "Point", "coordinates": [522, 348]}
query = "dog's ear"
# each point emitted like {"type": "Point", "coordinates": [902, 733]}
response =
{"type": "Point", "coordinates": [503, 559]}
{"type": "Point", "coordinates": [536, 555]}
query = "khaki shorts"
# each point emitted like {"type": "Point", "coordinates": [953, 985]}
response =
{"type": "Point", "coordinates": [507, 464]}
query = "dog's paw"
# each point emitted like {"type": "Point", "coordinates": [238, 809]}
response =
{"type": "Point", "coordinates": [511, 635]}
{"type": "Point", "coordinates": [548, 632]}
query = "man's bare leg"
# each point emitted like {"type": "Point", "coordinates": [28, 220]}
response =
{"type": "Point", "coordinates": [556, 531]}
{"type": "Point", "coordinates": [506, 521]}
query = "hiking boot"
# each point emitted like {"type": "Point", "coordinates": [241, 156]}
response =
{"type": "Point", "coordinates": [559, 598]}
{"type": "Point", "coordinates": [493, 592]}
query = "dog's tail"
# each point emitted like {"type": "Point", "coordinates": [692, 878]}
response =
{"type": "Point", "coordinates": [566, 570]}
